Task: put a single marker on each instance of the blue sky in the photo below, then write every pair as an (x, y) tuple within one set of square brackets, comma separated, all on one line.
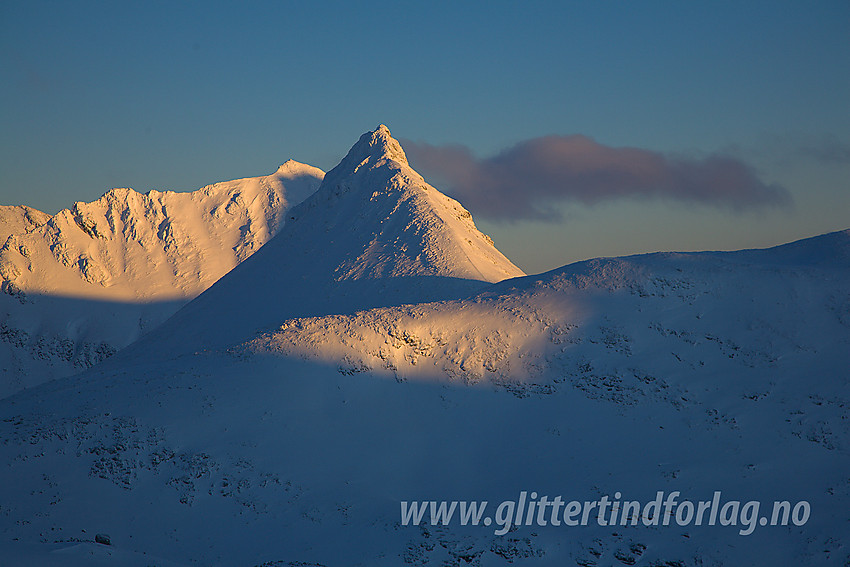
[(178, 95)]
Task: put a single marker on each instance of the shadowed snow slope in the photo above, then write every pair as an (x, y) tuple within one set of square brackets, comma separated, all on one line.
[(688, 373), (374, 234), (93, 278)]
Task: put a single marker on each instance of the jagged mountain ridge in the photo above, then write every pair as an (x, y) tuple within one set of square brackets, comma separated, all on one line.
[(93, 278), (158, 245)]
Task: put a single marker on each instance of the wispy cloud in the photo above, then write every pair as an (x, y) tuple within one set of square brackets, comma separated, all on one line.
[(528, 180)]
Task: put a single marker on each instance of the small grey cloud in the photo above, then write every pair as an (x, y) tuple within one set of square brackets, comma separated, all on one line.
[(527, 180)]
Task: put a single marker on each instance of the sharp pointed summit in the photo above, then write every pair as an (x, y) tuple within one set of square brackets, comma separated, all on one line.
[(372, 147), (403, 225), (376, 154)]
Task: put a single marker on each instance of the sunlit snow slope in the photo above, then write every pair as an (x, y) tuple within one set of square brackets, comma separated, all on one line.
[(771, 305), (158, 245)]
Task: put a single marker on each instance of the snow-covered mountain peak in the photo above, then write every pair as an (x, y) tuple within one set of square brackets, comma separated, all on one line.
[(382, 145), (397, 224), (374, 233), (291, 166), (372, 149)]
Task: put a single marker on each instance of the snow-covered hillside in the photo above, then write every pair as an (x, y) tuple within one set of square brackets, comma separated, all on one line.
[(280, 421), (511, 331), (93, 278), (688, 372)]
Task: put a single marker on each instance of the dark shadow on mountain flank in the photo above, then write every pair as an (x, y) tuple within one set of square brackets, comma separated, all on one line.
[(44, 337)]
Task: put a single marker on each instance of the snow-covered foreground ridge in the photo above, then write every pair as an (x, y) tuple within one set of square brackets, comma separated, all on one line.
[(93, 278), (512, 331), (369, 355)]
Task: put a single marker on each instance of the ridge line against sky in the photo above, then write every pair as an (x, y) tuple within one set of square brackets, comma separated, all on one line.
[(178, 96)]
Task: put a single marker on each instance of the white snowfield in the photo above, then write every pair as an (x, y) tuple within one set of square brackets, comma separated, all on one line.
[(93, 278), (368, 355)]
